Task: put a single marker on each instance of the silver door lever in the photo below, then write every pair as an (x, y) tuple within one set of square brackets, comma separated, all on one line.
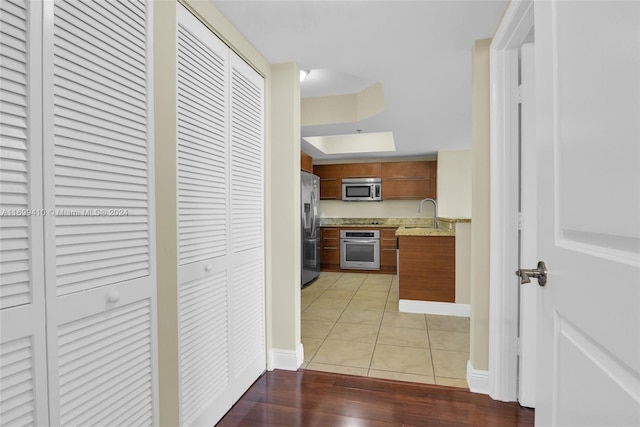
[(539, 273)]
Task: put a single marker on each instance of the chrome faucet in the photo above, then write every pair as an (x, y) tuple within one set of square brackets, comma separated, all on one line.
[(435, 211)]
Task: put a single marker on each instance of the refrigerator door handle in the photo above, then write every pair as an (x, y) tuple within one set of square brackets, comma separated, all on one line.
[(314, 213)]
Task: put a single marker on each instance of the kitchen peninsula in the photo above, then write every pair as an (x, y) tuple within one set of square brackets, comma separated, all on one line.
[(432, 278)]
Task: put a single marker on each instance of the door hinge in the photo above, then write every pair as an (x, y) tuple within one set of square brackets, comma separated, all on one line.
[(519, 220), (518, 94)]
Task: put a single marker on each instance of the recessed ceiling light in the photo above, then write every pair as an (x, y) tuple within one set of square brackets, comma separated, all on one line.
[(354, 143)]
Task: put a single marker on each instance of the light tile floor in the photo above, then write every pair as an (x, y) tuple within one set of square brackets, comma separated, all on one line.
[(351, 325)]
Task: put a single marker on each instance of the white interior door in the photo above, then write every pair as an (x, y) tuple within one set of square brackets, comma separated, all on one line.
[(528, 228), (588, 87), (99, 245), (220, 223), (23, 369)]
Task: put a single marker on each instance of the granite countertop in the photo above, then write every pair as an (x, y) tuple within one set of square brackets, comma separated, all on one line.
[(406, 226), (426, 231)]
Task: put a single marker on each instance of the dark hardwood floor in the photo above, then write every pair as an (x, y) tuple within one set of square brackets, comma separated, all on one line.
[(312, 398)]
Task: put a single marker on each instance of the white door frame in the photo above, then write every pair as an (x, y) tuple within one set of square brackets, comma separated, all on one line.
[(503, 318)]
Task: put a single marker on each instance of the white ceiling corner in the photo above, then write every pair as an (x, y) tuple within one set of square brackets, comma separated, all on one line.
[(420, 51)]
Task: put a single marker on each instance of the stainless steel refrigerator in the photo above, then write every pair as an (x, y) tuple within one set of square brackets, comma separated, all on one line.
[(309, 196)]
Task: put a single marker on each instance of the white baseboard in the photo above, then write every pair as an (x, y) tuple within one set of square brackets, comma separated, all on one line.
[(478, 380), (430, 307), (289, 360)]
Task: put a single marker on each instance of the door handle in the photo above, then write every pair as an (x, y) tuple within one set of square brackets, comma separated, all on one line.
[(539, 273)]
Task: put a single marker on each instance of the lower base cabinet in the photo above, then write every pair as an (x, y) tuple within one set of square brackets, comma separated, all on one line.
[(427, 268), (330, 250)]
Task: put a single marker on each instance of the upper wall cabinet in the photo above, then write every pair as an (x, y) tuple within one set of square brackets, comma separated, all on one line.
[(306, 162), (409, 180), (361, 170), (400, 180), (330, 181)]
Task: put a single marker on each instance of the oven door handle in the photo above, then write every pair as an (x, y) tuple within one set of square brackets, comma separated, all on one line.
[(359, 241)]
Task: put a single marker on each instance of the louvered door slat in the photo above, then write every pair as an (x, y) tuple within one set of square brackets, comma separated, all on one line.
[(201, 150), (247, 148), (15, 277), (16, 382), (204, 347), (108, 372), (109, 143), (247, 304), (23, 393)]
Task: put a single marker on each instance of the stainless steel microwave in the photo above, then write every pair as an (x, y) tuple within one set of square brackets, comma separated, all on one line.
[(361, 189)]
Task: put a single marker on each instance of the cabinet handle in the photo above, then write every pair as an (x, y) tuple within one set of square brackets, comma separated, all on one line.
[(405, 177), (329, 248)]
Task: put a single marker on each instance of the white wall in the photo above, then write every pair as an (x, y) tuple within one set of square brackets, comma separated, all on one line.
[(454, 184)]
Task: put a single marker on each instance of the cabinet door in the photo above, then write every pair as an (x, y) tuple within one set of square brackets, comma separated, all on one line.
[(100, 248), (388, 252), (23, 371), (306, 162), (330, 247), (427, 268), (361, 170), (330, 181), (409, 180), (407, 170)]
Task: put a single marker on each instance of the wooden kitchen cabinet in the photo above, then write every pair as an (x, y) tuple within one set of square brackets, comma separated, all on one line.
[(330, 181), (427, 268), (306, 162), (409, 180), (330, 248), (361, 170), (388, 258)]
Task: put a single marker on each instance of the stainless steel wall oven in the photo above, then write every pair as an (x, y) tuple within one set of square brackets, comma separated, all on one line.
[(360, 249)]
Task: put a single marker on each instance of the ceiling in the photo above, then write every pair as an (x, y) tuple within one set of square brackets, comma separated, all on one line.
[(420, 51)]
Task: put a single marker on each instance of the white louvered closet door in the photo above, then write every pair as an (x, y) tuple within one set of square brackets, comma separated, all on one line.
[(221, 284), (23, 376), (203, 304), (247, 224), (100, 271)]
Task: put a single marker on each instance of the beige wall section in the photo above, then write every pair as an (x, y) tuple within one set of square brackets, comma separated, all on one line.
[(350, 108), (480, 206), (370, 101), (285, 208), (324, 110), (164, 63), (454, 184)]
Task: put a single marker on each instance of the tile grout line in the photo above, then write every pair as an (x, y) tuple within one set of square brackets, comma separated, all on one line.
[(336, 321), (375, 344)]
